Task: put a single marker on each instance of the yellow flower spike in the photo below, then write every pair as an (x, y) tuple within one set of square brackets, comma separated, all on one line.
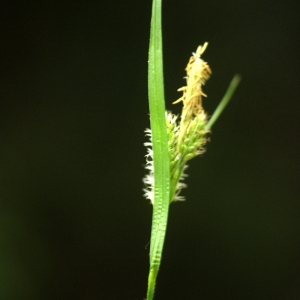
[(198, 72)]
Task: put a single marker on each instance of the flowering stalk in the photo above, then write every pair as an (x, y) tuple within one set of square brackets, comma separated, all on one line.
[(172, 143)]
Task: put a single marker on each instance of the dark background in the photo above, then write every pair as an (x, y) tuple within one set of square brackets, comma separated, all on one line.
[(74, 223)]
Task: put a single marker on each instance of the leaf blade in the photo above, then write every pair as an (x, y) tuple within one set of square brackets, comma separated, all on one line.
[(159, 146)]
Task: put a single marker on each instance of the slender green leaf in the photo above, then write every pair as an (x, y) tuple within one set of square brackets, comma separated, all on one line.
[(159, 146), (225, 100)]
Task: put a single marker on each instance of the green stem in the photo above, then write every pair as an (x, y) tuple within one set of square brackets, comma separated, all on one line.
[(151, 283)]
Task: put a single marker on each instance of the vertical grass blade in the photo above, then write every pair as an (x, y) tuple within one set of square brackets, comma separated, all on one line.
[(159, 146)]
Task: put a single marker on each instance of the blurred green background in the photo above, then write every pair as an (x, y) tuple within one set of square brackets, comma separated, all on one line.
[(74, 223)]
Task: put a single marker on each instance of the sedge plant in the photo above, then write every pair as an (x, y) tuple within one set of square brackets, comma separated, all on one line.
[(173, 140)]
